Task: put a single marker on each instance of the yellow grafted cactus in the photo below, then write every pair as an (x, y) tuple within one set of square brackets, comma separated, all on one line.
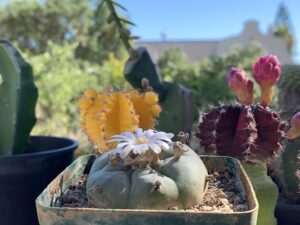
[(106, 114), (146, 107)]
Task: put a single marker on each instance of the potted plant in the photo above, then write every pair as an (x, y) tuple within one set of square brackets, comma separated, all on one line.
[(251, 132), (141, 175), (27, 163)]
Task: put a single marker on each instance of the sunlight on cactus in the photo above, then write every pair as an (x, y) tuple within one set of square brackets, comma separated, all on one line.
[(109, 113)]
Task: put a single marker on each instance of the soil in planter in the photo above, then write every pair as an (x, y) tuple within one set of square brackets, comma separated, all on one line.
[(222, 195)]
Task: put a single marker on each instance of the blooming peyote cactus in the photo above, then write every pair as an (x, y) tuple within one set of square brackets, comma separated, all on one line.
[(138, 174), (246, 131), (113, 112)]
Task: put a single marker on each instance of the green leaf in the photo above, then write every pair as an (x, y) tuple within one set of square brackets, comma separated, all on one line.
[(134, 37), (119, 5), (127, 21)]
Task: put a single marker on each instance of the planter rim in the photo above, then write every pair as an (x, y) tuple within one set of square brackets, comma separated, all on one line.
[(152, 211), (71, 146)]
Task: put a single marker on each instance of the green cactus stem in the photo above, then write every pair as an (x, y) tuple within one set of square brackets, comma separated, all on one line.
[(287, 180), (178, 108), (289, 92), (18, 96), (266, 192), (178, 180), (141, 66)]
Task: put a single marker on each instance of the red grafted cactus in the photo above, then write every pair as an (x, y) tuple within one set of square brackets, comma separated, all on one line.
[(251, 133), (239, 82), (247, 131), (266, 72)]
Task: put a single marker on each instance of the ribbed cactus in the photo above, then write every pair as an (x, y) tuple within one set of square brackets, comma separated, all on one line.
[(289, 92), (288, 170), (247, 131), (18, 96), (137, 174), (113, 112)]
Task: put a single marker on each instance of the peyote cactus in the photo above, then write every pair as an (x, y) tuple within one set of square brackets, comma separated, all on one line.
[(246, 131), (18, 99), (113, 112), (137, 174)]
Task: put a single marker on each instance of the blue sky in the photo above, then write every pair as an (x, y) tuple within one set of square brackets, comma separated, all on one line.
[(205, 19)]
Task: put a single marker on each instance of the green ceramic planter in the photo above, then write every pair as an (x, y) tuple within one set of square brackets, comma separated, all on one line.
[(49, 215)]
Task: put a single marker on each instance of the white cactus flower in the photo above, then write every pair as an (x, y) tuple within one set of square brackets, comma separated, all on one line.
[(141, 141)]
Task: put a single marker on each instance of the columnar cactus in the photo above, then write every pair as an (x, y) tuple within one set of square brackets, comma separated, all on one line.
[(288, 170), (113, 112), (138, 174), (18, 97), (246, 131)]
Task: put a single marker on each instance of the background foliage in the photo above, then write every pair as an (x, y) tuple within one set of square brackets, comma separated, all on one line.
[(72, 47), (207, 78)]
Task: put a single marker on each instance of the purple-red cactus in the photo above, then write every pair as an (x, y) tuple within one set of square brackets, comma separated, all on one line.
[(294, 132), (251, 133), (239, 82), (247, 131), (266, 72)]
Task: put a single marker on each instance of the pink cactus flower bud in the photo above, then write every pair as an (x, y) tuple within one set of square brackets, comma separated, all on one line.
[(239, 82), (266, 72), (294, 132)]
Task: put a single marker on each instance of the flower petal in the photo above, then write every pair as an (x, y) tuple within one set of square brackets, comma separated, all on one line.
[(162, 144), (155, 148), (125, 151)]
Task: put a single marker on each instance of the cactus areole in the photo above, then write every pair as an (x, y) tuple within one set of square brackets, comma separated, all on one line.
[(248, 131), (147, 170)]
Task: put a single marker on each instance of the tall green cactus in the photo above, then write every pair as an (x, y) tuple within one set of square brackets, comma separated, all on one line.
[(289, 104), (18, 96), (289, 93), (178, 108)]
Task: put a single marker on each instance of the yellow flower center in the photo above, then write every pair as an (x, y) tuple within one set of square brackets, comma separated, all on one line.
[(142, 140)]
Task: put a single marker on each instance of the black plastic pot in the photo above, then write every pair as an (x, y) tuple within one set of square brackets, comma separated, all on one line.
[(23, 177), (287, 214)]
